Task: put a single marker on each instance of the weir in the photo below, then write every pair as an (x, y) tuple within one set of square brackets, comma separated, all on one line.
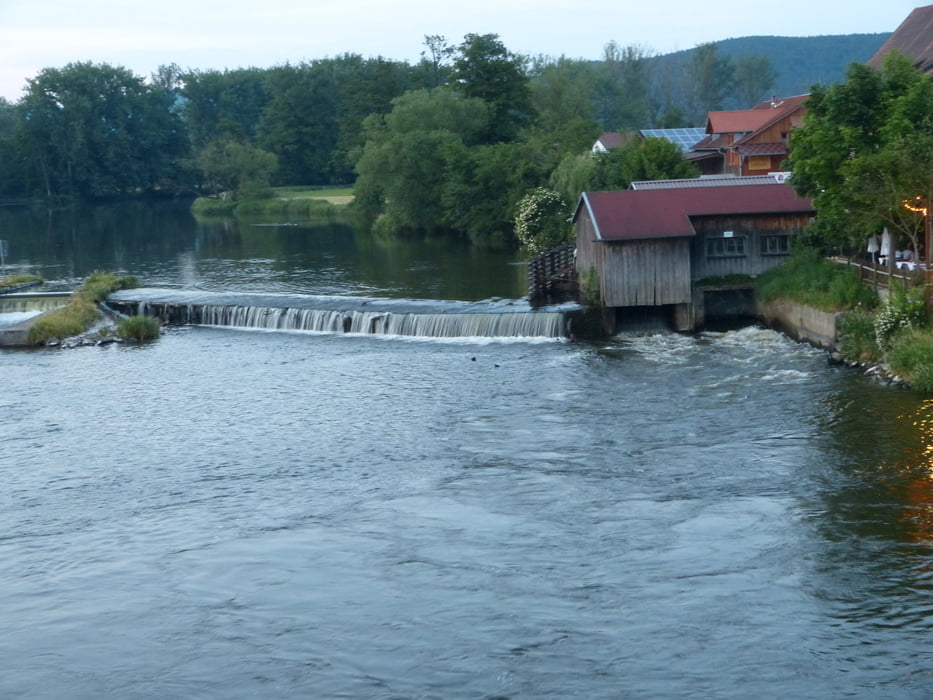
[(494, 318), (38, 301)]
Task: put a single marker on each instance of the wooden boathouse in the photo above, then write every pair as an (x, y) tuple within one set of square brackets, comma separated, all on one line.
[(665, 252)]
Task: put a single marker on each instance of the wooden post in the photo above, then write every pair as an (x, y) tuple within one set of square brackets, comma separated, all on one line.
[(928, 273)]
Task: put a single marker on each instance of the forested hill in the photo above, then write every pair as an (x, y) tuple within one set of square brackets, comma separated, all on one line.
[(799, 62)]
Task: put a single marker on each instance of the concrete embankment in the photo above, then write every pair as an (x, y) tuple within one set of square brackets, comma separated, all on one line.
[(802, 323), (17, 333)]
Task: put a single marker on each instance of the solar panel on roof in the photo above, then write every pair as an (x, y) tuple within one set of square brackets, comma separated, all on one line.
[(685, 138)]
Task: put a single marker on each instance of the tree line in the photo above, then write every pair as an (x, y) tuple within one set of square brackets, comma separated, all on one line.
[(864, 156), (452, 142)]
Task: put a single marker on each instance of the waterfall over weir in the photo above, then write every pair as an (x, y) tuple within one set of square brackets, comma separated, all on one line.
[(370, 316)]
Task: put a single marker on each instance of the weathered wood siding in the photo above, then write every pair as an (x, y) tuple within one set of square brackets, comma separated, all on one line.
[(646, 272), (634, 273), (754, 229)]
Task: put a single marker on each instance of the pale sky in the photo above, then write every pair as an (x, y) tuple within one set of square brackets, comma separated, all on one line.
[(215, 34)]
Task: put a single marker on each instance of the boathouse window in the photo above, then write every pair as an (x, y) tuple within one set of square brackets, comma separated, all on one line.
[(731, 247), (775, 245)]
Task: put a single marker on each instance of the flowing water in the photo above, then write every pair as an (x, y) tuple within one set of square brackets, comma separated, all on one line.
[(229, 513)]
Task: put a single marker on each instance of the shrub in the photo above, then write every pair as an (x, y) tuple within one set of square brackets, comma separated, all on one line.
[(81, 310), (911, 356), (542, 220), (809, 278), (857, 338), (589, 286), (904, 309), (138, 328), (72, 319)]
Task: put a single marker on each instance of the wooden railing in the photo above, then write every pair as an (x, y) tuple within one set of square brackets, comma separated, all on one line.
[(552, 271), (880, 276)]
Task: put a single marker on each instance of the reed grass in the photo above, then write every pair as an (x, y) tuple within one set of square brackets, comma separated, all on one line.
[(138, 328), (81, 311), (16, 280)]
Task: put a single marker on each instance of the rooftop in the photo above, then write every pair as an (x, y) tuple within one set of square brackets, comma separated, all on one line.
[(666, 213)]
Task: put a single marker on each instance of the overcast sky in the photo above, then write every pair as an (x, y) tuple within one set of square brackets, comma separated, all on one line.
[(210, 34)]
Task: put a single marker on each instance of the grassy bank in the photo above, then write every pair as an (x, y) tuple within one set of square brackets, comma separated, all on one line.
[(895, 334), (81, 311), (810, 279), (279, 203)]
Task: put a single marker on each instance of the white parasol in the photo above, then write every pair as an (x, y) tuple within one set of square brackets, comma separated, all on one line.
[(887, 243)]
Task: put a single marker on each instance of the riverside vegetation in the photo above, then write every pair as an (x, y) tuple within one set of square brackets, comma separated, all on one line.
[(11, 281), (81, 311), (895, 334), (281, 203)]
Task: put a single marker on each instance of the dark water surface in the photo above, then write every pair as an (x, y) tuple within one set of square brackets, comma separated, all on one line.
[(240, 514)]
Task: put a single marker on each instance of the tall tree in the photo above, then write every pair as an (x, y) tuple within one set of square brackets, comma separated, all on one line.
[(366, 86), (710, 74), (228, 103), (98, 130), (754, 77), (435, 60), (408, 151), (561, 92), (485, 69), (624, 87), (866, 149), (299, 124)]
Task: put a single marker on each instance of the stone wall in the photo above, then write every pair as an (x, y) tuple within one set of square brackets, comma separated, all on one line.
[(803, 323)]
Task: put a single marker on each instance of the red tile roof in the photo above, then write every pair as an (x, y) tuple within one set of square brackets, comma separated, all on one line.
[(739, 120), (913, 38), (665, 213)]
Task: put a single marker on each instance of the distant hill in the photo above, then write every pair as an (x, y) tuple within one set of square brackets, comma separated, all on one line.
[(800, 62)]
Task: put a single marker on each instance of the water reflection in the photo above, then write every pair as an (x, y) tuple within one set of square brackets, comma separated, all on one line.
[(164, 245), (918, 474)]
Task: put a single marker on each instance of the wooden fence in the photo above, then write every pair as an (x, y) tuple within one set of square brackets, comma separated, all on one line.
[(552, 271), (880, 276)]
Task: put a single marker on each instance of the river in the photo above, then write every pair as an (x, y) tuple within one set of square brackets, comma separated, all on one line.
[(226, 513)]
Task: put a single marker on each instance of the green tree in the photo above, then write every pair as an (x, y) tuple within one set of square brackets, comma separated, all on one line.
[(483, 189), (484, 68), (435, 61), (561, 93), (866, 148), (754, 76), (299, 124), (237, 168), (17, 176), (223, 103), (710, 75), (653, 159), (401, 169), (98, 130), (366, 86), (576, 174), (623, 88)]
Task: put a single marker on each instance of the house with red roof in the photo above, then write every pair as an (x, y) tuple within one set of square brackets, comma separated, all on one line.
[(656, 250), (749, 141)]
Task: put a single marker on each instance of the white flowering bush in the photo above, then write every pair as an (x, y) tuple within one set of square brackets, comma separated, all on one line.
[(904, 309), (542, 220)]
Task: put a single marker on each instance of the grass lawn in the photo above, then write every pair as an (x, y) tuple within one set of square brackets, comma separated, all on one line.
[(334, 195)]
